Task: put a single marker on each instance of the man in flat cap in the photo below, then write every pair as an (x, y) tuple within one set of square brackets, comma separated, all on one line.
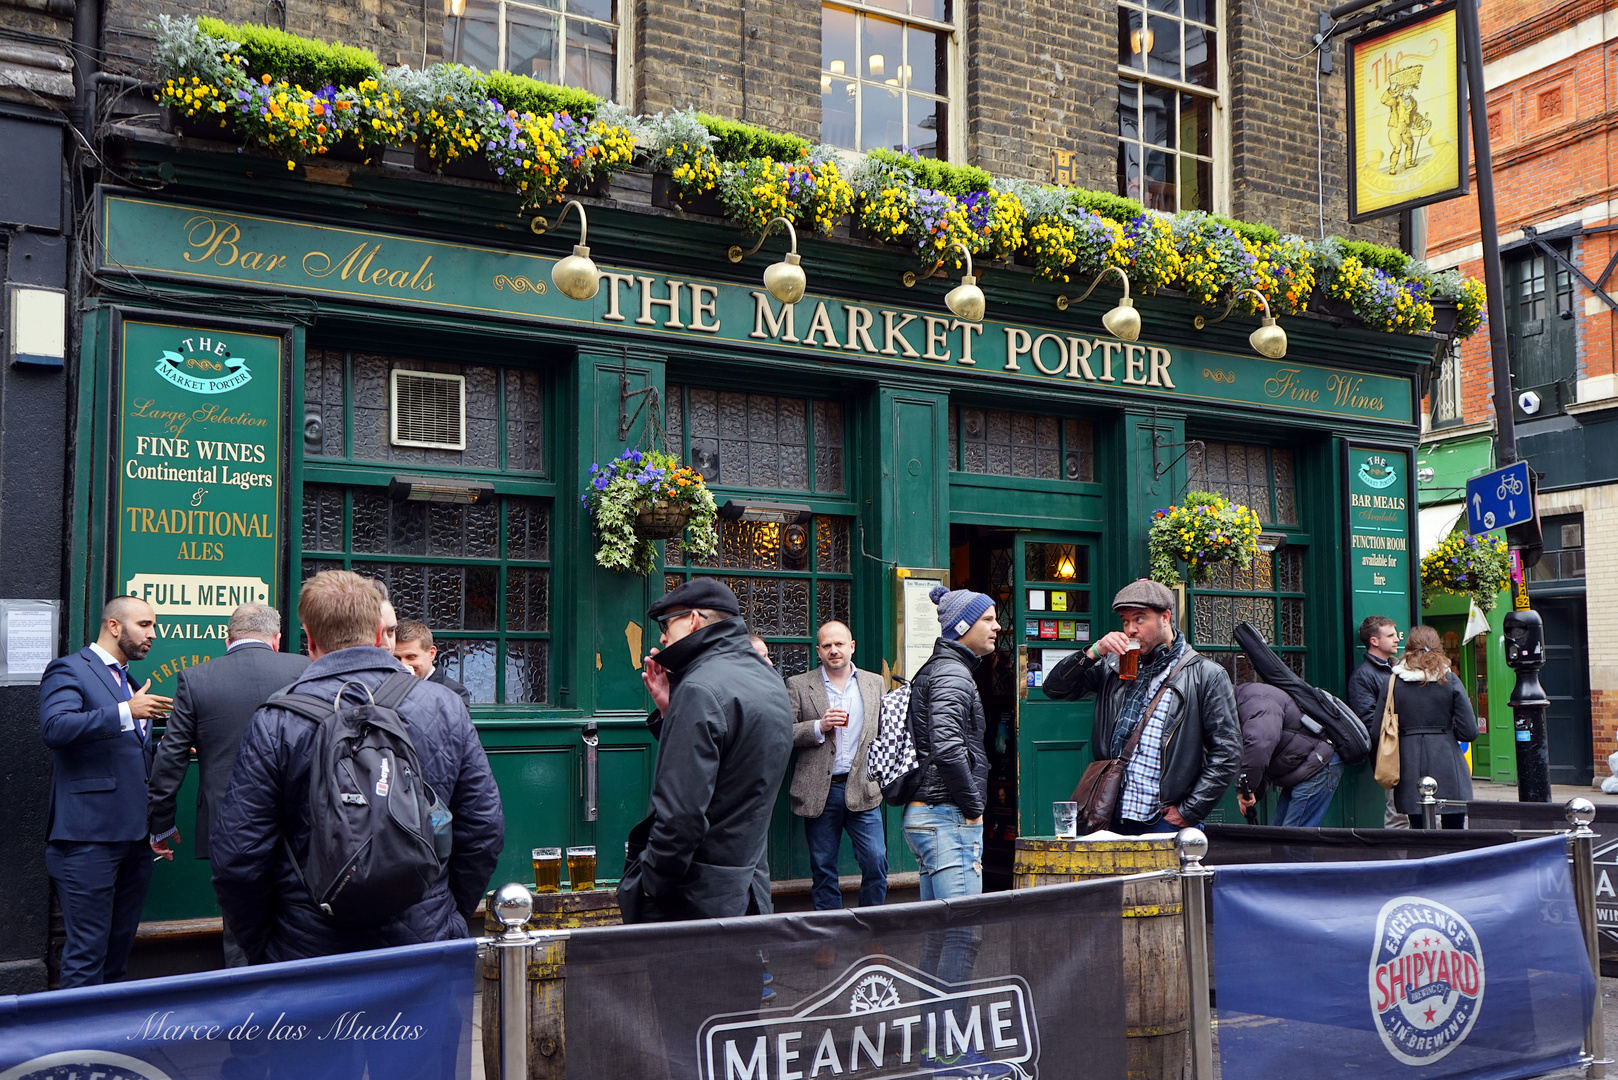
[(724, 726), (1175, 720)]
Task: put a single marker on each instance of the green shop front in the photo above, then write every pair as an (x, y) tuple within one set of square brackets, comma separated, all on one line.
[(281, 376)]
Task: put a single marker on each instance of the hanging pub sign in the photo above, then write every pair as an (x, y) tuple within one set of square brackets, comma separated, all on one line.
[(1406, 115), (198, 530)]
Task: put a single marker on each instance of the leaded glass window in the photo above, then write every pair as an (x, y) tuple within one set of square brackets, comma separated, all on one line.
[(736, 439), (1001, 443), (347, 402), (1168, 98), (478, 576), (1269, 595), (1259, 477), (790, 579)]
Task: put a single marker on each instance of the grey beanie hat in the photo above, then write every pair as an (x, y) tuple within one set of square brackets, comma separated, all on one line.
[(1145, 593), (958, 610)]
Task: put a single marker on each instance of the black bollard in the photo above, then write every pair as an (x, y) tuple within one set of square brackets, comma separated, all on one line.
[(1525, 654)]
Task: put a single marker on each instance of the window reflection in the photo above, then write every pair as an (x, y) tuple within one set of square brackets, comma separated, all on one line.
[(883, 81), (1166, 133), (570, 42)]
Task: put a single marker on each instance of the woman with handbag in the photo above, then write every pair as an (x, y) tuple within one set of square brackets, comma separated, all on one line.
[(1433, 715)]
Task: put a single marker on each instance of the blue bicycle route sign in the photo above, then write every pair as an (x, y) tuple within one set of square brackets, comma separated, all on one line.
[(1498, 499)]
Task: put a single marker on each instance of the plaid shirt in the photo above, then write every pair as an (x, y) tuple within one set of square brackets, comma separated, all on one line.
[(1140, 799)]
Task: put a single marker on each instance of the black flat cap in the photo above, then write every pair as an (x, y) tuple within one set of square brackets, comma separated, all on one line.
[(705, 593)]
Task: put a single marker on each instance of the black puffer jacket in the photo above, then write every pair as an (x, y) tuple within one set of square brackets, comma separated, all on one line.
[(947, 726), (1202, 744), (267, 907)]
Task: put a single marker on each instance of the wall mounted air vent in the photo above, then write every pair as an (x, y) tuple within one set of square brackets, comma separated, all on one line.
[(429, 410)]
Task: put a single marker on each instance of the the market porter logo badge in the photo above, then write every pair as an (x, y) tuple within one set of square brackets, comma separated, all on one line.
[(203, 365), (1426, 979), (1377, 471), (882, 1020)]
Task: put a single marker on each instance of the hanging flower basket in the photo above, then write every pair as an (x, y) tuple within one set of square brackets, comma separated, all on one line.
[(1467, 565), (662, 520), (646, 495), (1204, 530)]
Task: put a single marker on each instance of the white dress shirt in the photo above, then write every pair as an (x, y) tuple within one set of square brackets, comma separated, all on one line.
[(848, 738)]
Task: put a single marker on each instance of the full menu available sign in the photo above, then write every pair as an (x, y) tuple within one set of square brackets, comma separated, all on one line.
[(1379, 535), (199, 479)]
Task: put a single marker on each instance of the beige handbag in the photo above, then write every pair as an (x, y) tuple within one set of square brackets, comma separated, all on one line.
[(1387, 744)]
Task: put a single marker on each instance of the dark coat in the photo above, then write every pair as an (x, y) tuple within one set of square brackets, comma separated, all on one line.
[(948, 726), (265, 903), (1433, 716), (213, 704), (98, 770), (1367, 686), (1276, 747), (448, 683), (723, 748), (1202, 743)]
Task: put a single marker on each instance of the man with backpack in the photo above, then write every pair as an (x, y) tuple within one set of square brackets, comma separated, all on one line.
[(361, 813)]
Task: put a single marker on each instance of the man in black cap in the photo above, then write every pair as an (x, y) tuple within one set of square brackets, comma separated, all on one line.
[(724, 725), (1189, 745)]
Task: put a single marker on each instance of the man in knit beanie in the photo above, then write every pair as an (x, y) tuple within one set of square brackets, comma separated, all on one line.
[(944, 822), (1189, 745)]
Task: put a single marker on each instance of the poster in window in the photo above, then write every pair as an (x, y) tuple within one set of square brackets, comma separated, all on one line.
[(1406, 116)]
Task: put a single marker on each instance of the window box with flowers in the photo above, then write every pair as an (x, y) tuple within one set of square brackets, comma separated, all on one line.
[(1204, 530), (645, 495)]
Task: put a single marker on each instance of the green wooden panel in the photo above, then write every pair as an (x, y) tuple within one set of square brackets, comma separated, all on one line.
[(624, 777), (1057, 766), (539, 789), (182, 889)]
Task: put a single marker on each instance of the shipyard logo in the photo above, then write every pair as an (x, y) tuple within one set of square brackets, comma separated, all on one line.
[(1377, 471), (204, 366), (80, 1064), (1426, 979), (882, 1020)]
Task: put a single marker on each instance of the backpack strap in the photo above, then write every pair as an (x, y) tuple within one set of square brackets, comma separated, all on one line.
[(394, 689), (305, 705)]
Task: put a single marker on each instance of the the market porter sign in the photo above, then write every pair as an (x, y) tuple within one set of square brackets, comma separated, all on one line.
[(295, 257), (199, 482)]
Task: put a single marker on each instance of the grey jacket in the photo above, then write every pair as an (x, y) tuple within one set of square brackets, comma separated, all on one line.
[(1433, 717), (213, 703), (811, 780)]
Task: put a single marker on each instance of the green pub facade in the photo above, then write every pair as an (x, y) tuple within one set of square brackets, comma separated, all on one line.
[(270, 351)]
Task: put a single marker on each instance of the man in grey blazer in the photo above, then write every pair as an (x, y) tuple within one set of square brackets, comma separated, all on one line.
[(835, 711), (213, 703)]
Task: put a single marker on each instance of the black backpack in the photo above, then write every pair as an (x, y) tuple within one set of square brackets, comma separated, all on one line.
[(378, 834)]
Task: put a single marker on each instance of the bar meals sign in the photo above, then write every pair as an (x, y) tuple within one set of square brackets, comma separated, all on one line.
[(246, 250)]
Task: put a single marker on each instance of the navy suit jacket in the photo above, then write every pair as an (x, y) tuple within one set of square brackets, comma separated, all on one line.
[(99, 773)]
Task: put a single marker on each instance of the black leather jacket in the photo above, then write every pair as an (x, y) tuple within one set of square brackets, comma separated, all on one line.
[(1202, 743), (949, 725)]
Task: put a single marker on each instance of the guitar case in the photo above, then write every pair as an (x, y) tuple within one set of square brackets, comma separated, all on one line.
[(1345, 730)]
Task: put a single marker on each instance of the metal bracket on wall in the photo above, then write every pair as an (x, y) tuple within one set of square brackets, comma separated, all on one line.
[(1599, 286), (1161, 442), (626, 419)]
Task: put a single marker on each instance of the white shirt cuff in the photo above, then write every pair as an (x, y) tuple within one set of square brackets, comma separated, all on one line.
[(126, 718), (820, 736)]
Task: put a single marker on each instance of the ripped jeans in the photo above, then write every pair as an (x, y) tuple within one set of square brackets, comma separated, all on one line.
[(949, 854)]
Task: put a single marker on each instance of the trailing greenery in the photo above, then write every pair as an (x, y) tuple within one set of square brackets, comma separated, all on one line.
[(1377, 256), (1467, 565), (1204, 530), (296, 60), (523, 94), (935, 175), (736, 141)]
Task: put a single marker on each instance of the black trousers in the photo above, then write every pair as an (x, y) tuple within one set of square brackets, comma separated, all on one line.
[(101, 888)]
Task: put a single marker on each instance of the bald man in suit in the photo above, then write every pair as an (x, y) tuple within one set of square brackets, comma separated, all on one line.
[(99, 730)]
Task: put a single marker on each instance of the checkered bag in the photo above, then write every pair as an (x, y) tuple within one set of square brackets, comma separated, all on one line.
[(893, 762)]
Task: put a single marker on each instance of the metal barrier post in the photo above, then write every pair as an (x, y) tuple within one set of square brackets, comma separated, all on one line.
[(513, 906), (1581, 853), (1429, 802), (1192, 845)]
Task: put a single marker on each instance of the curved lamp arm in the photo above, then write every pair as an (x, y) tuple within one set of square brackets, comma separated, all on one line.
[(1201, 321), (911, 277), (1062, 302), (736, 254), (539, 226)]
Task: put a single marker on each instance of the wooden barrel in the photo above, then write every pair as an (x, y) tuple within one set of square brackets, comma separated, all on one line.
[(547, 1057), (1156, 1001)]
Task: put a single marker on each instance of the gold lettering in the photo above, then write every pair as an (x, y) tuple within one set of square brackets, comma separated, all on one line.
[(1160, 369), (860, 321), (1107, 349), (613, 281), (1018, 343), (1061, 354), (704, 305), (891, 333), (1080, 361), (1134, 364), (648, 301), (221, 238), (821, 324), (967, 329), (764, 316), (936, 333)]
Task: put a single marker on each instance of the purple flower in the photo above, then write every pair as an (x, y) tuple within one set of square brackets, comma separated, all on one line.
[(601, 484)]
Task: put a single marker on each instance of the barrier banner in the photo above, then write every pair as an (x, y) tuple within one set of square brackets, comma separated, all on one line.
[(1465, 965), (1017, 984), (1240, 845), (398, 1014)]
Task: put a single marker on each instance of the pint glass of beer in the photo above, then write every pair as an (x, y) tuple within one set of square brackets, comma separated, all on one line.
[(1129, 662), (581, 867), (547, 869)]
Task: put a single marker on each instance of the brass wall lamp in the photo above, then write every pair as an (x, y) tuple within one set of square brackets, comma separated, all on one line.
[(966, 300), (1268, 340), (576, 275), (1123, 321), (784, 280)]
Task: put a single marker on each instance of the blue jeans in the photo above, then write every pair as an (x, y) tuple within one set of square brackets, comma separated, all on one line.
[(1305, 806), (825, 836), (949, 854)]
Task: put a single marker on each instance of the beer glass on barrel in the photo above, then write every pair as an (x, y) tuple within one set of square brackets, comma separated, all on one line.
[(581, 868), (547, 869)]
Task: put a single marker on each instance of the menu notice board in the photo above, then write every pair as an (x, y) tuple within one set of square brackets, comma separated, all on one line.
[(1379, 556), (917, 628)]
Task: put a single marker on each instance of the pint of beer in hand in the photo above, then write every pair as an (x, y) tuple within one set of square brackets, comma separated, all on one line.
[(547, 869), (1129, 661)]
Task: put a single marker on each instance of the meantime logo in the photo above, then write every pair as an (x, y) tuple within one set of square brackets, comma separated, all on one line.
[(1426, 979), (882, 1020), (204, 366)]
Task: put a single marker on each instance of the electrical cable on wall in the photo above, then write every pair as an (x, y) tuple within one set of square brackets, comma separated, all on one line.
[(1322, 41)]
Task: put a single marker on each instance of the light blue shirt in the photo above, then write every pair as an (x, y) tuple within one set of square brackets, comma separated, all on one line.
[(848, 738)]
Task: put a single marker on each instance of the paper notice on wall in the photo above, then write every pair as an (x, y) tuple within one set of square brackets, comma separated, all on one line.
[(920, 623), (30, 643)]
